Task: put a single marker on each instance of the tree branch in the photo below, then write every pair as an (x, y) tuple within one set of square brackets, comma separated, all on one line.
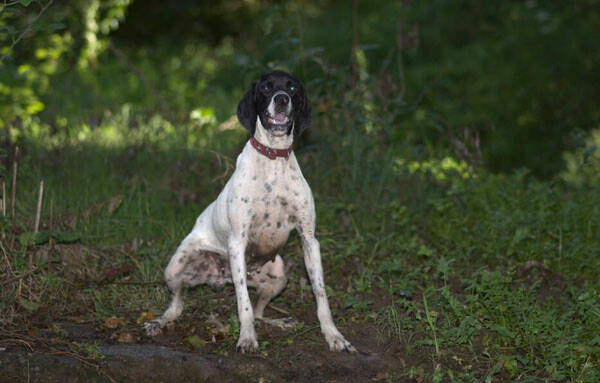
[(4, 56)]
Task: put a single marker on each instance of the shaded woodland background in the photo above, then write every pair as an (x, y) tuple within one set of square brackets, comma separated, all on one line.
[(521, 75), (453, 156)]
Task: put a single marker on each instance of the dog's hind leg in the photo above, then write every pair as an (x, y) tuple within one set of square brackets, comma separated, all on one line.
[(188, 267), (269, 280)]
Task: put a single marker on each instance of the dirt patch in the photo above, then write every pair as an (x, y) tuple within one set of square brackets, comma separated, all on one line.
[(165, 359)]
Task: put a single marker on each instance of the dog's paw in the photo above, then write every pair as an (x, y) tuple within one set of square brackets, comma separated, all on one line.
[(337, 342), (153, 328), (246, 344)]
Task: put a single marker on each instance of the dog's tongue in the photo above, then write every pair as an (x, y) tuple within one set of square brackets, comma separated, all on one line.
[(280, 118)]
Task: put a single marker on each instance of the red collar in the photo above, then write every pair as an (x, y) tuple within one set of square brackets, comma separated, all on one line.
[(270, 152)]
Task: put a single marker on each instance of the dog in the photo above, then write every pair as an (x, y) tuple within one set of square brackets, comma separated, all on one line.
[(238, 237)]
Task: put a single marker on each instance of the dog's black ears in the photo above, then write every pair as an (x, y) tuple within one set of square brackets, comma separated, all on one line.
[(246, 110), (303, 118)]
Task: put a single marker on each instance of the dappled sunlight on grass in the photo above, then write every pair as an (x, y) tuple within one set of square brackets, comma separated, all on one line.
[(440, 169)]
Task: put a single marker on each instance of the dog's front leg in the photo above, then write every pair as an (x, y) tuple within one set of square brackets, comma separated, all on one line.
[(312, 261), (247, 340)]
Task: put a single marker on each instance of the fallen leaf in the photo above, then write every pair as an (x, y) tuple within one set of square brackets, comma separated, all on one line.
[(194, 342), (114, 203), (114, 322), (145, 317), (125, 337), (116, 272), (223, 329), (220, 328)]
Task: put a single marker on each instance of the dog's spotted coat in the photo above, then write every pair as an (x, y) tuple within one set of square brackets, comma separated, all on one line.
[(237, 238)]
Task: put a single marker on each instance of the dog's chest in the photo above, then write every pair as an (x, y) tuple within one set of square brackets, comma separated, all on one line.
[(273, 195)]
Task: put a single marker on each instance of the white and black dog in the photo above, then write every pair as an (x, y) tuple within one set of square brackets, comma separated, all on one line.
[(237, 238)]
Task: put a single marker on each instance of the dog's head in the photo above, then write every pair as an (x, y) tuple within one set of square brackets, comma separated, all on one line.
[(279, 100)]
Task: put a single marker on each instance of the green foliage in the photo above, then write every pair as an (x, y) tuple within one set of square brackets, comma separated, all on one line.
[(517, 71), (29, 69), (523, 320), (583, 164)]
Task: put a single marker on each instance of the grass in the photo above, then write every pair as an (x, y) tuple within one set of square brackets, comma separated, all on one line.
[(468, 276)]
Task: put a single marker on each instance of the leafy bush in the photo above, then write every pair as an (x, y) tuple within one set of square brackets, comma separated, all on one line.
[(583, 164)]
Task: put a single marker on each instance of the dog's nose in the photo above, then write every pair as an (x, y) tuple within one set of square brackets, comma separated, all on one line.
[(282, 99)]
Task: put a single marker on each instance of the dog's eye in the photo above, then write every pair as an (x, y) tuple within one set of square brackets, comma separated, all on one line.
[(265, 87), (291, 88)]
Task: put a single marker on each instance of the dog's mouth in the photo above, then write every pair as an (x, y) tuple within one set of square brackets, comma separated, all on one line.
[(279, 123)]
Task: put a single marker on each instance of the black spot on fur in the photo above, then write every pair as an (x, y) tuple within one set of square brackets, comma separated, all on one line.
[(268, 187), (266, 216), (278, 224)]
